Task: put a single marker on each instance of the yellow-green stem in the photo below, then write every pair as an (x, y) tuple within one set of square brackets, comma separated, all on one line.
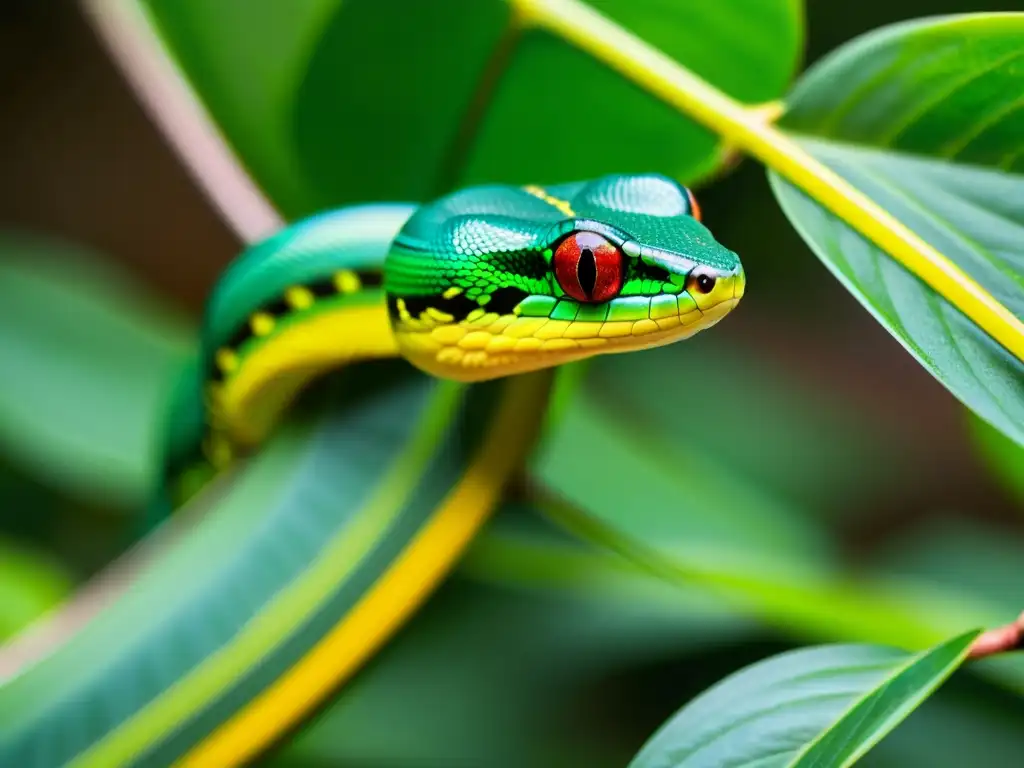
[(745, 129)]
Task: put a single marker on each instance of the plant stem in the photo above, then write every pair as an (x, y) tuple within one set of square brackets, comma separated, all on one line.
[(999, 640), (743, 128), (454, 163), (127, 32)]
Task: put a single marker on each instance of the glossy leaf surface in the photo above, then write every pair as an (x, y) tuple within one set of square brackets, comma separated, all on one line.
[(331, 102), (923, 117), (823, 706)]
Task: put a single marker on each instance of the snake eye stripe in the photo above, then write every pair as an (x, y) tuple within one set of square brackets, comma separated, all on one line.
[(268, 314), (502, 301)]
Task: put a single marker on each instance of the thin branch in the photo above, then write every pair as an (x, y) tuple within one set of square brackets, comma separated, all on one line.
[(999, 640), (469, 126), (729, 155), (662, 76), (186, 125)]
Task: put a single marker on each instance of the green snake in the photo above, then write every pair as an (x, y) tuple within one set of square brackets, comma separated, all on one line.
[(485, 290)]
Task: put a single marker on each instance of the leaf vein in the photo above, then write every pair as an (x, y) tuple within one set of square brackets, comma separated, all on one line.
[(957, 85), (958, 347), (957, 234), (956, 147)]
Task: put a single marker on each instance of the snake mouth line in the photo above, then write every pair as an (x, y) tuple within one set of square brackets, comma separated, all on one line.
[(514, 344)]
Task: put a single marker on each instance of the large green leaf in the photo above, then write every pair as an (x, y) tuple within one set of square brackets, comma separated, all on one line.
[(648, 470), (780, 435), (86, 355), (329, 102), (924, 118), (824, 706)]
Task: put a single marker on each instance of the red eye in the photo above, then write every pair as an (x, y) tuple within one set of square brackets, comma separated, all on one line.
[(588, 267)]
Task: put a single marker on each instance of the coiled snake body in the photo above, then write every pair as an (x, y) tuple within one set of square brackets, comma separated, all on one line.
[(486, 290)]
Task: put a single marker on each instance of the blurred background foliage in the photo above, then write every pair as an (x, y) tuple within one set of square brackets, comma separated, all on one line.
[(804, 480)]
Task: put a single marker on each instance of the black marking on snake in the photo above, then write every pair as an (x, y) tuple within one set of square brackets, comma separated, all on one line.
[(530, 265), (216, 374), (392, 301), (371, 279), (502, 302), (239, 337), (458, 306), (323, 288), (278, 307), (644, 271), (505, 300)]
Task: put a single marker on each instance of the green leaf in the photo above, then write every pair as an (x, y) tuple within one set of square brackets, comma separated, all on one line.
[(30, 585), (523, 550), (922, 117), (963, 570), (630, 469), (978, 562), (824, 706), (1004, 457), (476, 679), (955, 727), (85, 357), (331, 102)]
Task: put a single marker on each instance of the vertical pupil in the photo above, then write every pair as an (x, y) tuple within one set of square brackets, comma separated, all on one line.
[(586, 271)]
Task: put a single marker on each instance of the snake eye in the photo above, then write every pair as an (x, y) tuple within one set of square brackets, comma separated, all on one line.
[(588, 267), (701, 283)]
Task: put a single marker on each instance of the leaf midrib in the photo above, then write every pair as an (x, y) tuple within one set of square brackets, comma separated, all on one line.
[(874, 692)]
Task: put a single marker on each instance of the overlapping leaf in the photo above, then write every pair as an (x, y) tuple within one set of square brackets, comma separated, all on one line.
[(925, 118), (331, 102)]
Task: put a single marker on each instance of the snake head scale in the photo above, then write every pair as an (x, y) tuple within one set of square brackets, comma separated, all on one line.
[(494, 280)]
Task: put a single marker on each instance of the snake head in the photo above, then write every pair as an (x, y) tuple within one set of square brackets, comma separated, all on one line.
[(496, 280)]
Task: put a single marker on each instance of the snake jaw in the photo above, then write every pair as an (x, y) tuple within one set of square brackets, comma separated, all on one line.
[(491, 345)]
